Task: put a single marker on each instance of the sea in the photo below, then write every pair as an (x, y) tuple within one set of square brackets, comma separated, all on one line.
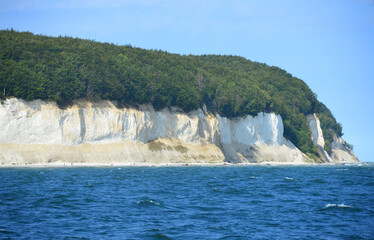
[(220, 202)]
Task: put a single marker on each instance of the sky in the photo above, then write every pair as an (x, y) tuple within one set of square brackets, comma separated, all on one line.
[(329, 44)]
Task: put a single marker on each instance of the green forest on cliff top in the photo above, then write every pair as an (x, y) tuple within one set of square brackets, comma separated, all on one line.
[(63, 69)]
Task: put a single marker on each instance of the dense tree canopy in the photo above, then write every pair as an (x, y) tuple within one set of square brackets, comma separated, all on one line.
[(63, 69)]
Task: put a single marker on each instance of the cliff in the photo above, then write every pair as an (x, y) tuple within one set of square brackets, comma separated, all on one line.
[(340, 153), (40, 132), (66, 69)]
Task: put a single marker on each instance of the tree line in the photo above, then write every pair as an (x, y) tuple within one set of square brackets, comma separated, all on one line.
[(63, 69)]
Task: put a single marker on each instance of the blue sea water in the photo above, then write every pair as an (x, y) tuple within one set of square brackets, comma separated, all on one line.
[(247, 202)]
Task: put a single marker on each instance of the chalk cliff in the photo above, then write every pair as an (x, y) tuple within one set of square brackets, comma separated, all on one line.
[(340, 153), (40, 132)]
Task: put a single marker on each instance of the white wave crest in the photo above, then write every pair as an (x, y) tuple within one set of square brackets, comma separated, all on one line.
[(148, 201), (342, 205)]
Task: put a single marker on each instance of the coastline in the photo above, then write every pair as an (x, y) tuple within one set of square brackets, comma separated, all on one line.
[(38, 133), (137, 164)]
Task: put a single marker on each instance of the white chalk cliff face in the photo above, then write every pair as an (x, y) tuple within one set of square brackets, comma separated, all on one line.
[(40, 132), (340, 153), (257, 139)]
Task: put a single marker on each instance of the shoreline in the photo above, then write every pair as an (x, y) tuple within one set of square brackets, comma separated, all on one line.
[(109, 165)]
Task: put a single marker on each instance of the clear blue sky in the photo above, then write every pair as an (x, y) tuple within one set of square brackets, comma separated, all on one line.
[(327, 43)]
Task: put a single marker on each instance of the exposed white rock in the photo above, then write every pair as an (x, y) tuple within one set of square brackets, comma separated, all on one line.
[(315, 128), (262, 129), (317, 136), (40, 132), (339, 152), (257, 139), (39, 122)]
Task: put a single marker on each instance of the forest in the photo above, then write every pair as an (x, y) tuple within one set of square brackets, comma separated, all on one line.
[(63, 69)]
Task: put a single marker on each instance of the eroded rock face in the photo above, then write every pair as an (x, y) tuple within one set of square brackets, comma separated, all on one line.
[(257, 139), (315, 128), (40, 132), (340, 153), (39, 122)]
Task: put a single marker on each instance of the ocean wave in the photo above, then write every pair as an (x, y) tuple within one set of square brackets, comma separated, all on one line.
[(148, 202), (159, 236), (288, 178), (333, 205), (3, 230), (319, 181)]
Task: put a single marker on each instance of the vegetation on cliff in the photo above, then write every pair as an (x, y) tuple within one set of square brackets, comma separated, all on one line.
[(63, 69)]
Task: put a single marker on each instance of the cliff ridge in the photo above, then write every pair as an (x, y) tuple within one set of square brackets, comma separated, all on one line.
[(39, 132)]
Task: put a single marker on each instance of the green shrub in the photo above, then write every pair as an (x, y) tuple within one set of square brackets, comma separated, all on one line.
[(181, 148)]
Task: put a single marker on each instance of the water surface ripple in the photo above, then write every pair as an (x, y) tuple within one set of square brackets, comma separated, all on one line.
[(261, 202)]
